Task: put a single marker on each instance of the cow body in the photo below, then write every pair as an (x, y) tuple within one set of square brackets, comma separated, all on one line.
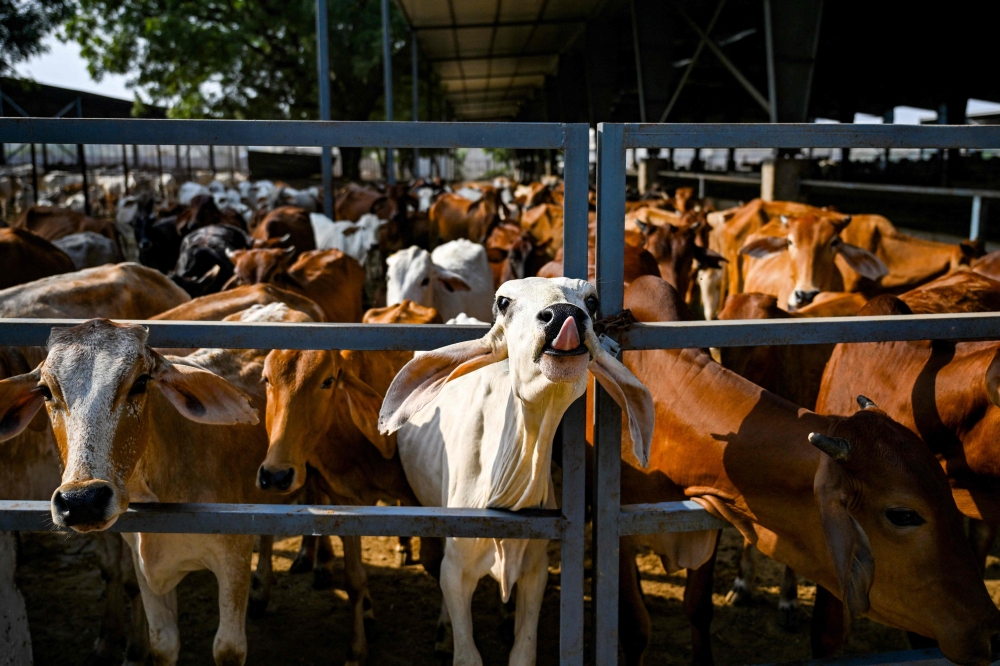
[(453, 216), (89, 250), (52, 222), (289, 226), (355, 239), (203, 266), (216, 307), (25, 257)]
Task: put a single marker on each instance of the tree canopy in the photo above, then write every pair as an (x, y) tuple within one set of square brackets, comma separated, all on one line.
[(23, 26)]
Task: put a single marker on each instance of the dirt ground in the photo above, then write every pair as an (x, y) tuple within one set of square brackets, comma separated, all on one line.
[(62, 589)]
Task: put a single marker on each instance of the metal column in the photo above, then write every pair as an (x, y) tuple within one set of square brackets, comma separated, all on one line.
[(772, 91), (414, 74), (34, 175), (576, 179), (323, 68), (387, 70), (82, 158), (125, 166), (607, 416), (975, 230), (638, 62)]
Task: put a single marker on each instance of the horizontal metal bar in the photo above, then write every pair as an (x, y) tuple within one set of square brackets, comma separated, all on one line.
[(298, 519), (817, 330), (262, 335), (497, 24), (809, 135), (282, 133), (925, 657), (902, 189), (710, 177), (664, 517)]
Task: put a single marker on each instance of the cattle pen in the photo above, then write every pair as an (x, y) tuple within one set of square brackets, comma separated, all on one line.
[(610, 519)]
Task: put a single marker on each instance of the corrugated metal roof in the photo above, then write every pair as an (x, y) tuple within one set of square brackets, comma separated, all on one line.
[(492, 55)]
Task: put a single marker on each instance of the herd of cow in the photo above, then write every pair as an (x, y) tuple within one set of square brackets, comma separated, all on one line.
[(866, 495)]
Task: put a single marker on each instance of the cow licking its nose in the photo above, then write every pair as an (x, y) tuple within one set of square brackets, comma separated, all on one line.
[(564, 329), (278, 479), (82, 505), (801, 298)]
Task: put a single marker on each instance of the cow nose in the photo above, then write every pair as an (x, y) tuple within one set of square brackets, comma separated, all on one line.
[(555, 316), (278, 479), (83, 506), (145, 244), (803, 297)]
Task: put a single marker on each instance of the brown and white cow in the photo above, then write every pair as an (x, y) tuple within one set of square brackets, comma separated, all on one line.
[(855, 504), (134, 425)]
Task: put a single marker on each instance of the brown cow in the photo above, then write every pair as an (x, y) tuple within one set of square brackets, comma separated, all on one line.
[(513, 253), (288, 226), (944, 391), (545, 224), (453, 216), (54, 222), (638, 262), (322, 411), (26, 256), (204, 212), (216, 307), (678, 250), (855, 504), (330, 278), (988, 265)]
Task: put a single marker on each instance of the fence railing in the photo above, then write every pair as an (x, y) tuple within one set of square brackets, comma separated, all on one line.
[(610, 519)]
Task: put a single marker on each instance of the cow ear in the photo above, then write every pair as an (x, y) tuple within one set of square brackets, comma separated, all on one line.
[(422, 379), (495, 255), (201, 396), (708, 258), (20, 400), (452, 281), (632, 396), (364, 404), (764, 247), (861, 260), (846, 541)]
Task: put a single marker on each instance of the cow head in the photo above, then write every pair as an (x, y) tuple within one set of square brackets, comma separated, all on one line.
[(95, 385), (543, 328), (268, 266), (311, 398), (412, 275), (895, 537), (675, 249), (812, 244)]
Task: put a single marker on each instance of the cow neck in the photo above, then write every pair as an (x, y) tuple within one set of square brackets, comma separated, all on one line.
[(520, 476)]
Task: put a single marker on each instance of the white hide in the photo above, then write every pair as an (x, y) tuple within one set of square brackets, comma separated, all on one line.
[(456, 278), (89, 250), (464, 319), (354, 239), (189, 191), (469, 193), (425, 197)]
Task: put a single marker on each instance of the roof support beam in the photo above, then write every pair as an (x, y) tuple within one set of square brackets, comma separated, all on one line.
[(501, 24), (694, 61), (493, 56)]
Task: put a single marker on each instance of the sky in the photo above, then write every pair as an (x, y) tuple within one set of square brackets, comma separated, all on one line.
[(63, 66)]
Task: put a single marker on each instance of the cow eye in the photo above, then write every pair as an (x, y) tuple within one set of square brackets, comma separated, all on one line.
[(835, 242), (502, 304), (426, 281), (592, 304), (327, 383), (45, 391), (139, 386), (904, 517)]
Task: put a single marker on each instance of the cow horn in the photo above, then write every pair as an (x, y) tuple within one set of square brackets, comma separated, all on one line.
[(837, 448), (866, 403), (784, 220)]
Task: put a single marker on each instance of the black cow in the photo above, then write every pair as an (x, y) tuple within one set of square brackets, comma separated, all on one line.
[(201, 252)]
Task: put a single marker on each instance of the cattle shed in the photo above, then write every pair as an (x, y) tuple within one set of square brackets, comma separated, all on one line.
[(648, 60), (43, 101)]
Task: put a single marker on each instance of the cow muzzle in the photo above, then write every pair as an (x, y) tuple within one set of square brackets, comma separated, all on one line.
[(801, 298), (84, 507), (564, 355), (276, 480)]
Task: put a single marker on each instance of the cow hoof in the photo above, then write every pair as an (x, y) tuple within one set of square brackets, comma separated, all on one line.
[(322, 579), (256, 608), (788, 618), (301, 565)]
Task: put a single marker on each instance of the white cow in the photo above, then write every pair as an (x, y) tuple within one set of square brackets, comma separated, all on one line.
[(89, 250), (189, 191), (455, 278), (354, 239), (475, 424)]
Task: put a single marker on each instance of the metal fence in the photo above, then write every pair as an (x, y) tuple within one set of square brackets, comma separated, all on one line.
[(610, 520)]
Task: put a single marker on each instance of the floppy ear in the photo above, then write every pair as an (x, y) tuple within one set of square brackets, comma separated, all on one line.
[(422, 379), (20, 400), (202, 396), (863, 261), (452, 281), (632, 396), (764, 247), (708, 258), (846, 541), (364, 404)]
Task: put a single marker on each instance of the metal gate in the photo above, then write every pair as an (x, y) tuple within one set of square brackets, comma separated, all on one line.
[(610, 520)]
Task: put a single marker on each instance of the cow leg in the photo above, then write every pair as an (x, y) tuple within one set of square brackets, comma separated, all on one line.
[(323, 564), (633, 617), (356, 582), (15, 639), (827, 628), (112, 635), (530, 592), (700, 610), (788, 602), (263, 578), (458, 586), (746, 579), (306, 556), (137, 650), (161, 614), (981, 536), (404, 552), (233, 575)]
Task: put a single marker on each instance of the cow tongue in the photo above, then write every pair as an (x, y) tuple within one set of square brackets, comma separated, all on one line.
[(568, 338)]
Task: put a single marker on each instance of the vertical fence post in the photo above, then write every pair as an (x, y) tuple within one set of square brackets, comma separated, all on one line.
[(772, 87), (607, 415), (211, 160), (125, 166), (323, 67), (34, 175), (414, 74), (575, 214), (387, 71), (977, 209), (81, 156)]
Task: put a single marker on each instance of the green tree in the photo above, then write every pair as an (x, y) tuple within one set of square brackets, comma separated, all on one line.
[(23, 26), (253, 59)]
